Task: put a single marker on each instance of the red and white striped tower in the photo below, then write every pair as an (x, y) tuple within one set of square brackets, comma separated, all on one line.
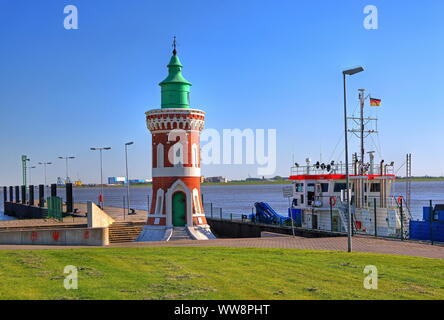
[(176, 199)]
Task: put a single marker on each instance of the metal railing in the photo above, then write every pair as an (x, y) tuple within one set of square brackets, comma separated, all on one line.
[(338, 168)]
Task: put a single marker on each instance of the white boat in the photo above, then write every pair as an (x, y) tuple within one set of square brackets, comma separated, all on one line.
[(320, 193)]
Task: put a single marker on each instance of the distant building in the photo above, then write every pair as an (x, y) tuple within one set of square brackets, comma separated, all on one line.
[(116, 180), (139, 181), (216, 180)]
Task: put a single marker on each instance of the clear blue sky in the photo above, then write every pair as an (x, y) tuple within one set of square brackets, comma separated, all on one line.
[(253, 64)]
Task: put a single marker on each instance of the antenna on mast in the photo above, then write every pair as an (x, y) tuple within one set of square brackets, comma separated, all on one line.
[(360, 132)]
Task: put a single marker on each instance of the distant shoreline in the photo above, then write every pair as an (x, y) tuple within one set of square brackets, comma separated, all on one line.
[(240, 183)]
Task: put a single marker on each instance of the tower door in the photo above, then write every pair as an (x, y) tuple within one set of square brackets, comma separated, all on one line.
[(179, 209)]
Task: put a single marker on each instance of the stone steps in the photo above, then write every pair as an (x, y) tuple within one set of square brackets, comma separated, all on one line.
[(120, 232), (180, 233)]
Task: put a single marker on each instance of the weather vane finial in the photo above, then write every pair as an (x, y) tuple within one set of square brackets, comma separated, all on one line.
[(174, 46)]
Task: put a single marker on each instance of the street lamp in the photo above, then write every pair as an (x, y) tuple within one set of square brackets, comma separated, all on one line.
[(127, 178), (44, 166), (101, 171), (67, 170), (29, 173), (345, 73)]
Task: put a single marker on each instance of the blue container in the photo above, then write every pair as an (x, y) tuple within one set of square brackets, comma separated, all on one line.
[(426, 213), (296, 214)]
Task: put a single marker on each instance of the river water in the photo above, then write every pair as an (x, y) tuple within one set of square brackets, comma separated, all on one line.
[(240, 199)]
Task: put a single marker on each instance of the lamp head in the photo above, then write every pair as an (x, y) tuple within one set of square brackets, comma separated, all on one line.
[(353, 71)]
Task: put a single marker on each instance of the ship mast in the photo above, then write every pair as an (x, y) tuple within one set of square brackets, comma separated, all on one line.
[(360, 132), (361, 102)]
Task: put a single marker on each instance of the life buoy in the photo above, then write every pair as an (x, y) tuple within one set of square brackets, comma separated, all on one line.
[(332, 201), (399, 200)]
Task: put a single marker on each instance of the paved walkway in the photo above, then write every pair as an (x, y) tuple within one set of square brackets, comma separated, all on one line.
[(116, 213), (360, 244)]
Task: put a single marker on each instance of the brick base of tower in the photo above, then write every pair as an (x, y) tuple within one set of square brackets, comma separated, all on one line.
[(176, 198)]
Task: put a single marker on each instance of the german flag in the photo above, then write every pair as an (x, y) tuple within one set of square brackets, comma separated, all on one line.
[(375, 102)]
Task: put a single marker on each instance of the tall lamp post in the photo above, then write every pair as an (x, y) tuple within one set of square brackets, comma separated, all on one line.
[(345, 73), (127, 178), (101, 172), (67, 170), (29, 173), (44, 164)]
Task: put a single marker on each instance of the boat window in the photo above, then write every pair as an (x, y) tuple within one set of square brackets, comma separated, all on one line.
[(324, 187), (375, 187), (339, 187), (299, 187), (311, 187)]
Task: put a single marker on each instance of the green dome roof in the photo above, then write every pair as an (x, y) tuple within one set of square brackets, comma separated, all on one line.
[(175, 88), (175, 72)]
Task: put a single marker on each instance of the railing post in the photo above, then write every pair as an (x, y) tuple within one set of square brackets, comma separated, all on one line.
[(402, 221), (431, 222), (220, 213), (123, 207), (376, 221), (331, 216), (231, 216), (211, 209)]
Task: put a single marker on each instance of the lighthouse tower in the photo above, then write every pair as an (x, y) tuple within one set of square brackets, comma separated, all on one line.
[(176, 206)]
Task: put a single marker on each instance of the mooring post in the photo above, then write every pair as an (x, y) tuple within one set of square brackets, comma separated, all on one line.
[(11, 194), (211, 209), (31, 195), (41, 195), (17, 194), (220, 213), (5, 194), (23, 194), (69, 198), (53, 190), (376, 222)]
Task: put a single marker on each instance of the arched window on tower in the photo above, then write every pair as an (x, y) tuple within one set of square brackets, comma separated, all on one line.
[(196, 201), (195, 155), (160, 156), (159, 201), (178, 154)]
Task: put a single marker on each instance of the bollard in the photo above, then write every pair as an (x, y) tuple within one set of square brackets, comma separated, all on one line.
[(5, 194), (41, 195), (11, 194), (69, 198), (23, 194), (53, 190), (31, 195), (17, 194)]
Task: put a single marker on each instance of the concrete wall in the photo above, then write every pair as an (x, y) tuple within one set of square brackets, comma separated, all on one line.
[(57, 237), (236, 229), (23, 211), (97, 218)]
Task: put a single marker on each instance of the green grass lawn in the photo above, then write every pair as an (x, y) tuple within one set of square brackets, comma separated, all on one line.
[(216, 273)]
